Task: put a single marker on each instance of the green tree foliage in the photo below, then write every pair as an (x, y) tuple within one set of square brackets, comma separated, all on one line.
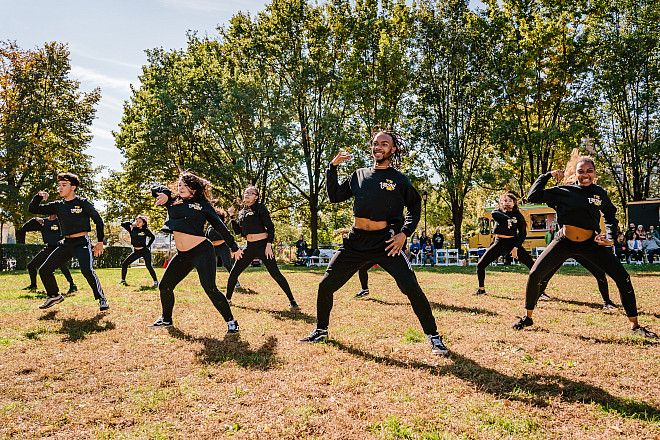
[(625, 36), (452, 109), (44, 125)]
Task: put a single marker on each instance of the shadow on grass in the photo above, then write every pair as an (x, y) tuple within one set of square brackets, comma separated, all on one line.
[(78, 329), (533, 389), (385, 303), (593, 305), (232, 348), (147, 289), (459, 309), (632, 340), (32, 295), (245, 291), (282, 315)]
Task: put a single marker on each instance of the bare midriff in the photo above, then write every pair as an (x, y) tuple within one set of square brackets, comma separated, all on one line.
[(368, 225), (217, 242), (138, 248), (574, 233), (185, 242), (504, 236), (77, 234), (257, 237)]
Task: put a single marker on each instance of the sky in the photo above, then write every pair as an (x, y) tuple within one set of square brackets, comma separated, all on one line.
[(107, 41)]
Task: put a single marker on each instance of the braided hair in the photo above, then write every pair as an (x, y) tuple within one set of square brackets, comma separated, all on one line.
[(397, 141)]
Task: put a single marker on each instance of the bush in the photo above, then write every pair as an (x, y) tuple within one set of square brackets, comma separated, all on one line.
[(158, 258), (18, 254), (113, 256)]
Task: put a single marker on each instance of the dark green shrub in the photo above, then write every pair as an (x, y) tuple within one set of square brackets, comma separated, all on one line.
[(17, 256), (112, 256)]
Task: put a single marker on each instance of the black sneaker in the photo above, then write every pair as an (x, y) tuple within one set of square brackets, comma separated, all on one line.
[(294, 306), (238, 285), (103, 304), (155, 283), (160, 323), (72, 289), (643, 331), (232, 327), (316, 336), (544, 297), (31, 288), (609, 306), (362, 293), (51, 301), (437, 347), (521, 323), (479, 292)]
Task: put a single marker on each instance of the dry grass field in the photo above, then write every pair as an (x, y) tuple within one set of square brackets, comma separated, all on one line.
[(71, 372)]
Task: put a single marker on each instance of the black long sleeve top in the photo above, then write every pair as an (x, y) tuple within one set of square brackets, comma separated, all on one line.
[(50, 230), (139, 236), (577, 205), (189, 216), (518, 226), (380, 195), (73, 215), (254, 219)]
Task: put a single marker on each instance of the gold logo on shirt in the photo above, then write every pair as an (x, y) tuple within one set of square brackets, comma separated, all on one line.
[(76, 210), (54, 228), (595, 200), (388, 185), (196, 206), (140, 233)]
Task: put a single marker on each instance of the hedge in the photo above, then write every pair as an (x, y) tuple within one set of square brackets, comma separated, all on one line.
[(23, 253)]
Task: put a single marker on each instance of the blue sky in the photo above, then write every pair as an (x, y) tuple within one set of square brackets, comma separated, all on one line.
[(107, 40)]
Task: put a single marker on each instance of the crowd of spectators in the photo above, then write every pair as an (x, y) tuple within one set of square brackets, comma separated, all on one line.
[(638, 244)]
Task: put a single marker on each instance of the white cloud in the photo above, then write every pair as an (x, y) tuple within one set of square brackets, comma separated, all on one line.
[(100, 133), (100, 79), (107, 60)]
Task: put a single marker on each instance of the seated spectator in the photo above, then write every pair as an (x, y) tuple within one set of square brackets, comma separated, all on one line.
[(438, 239), (302, 252), (630, 233), (427, 254), (415, 250), (424, 239), (636, 249), (621, 247), (641, 233), (654, 232), (652, 247)]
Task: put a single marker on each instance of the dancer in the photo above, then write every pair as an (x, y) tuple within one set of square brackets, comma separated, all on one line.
[(380, 192), (222, 251), (188, 209), (254, 223), (74, 214), (51, 234), (139, 231), (579, 203), (364, 281)]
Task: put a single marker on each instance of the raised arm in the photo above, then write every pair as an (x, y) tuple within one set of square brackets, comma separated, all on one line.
[(35, 206), (337, 193), (30, 225), (538, 193), (160, 189), (126, 225), (220, 227)]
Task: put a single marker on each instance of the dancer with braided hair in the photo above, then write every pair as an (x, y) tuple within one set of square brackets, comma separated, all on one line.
[(381, 192)]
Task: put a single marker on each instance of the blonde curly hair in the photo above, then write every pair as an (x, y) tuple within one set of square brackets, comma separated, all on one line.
[(570, 175)]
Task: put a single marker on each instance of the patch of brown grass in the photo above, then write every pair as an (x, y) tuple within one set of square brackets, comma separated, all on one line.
[(73, 372)]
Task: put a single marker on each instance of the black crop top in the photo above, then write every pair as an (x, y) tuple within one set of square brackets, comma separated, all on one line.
[(577, 205), (189, 216), (139, 235), (254, 219), (73, 215), (380, 195), (50, 230), (518, 227)]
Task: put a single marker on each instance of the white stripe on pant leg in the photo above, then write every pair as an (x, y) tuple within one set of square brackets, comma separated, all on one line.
[(406, 258), (91, 267)]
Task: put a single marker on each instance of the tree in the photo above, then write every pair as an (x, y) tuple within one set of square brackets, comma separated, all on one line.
[(44, 125), (452, 109), (626, 41)]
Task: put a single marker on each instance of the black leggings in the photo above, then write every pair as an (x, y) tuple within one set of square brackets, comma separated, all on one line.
[(364, 277), (78, 247), (202, 258), (601, 257), (501, 246), (223, 255), (253, 250), (138, 253), (362, 249), (34, 265)]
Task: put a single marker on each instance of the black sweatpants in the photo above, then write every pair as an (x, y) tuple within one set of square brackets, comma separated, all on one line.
[(560, 249), (598, 273), (39, 259), (364, 276), (501, 246), (202, 258), (223, 255), (138, 253), (362, 249), (78, 247), (253, 250)]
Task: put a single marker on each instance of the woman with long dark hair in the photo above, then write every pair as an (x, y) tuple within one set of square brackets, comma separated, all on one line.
[(254, 223), (188, 209), (141, 240), (579, 203)]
